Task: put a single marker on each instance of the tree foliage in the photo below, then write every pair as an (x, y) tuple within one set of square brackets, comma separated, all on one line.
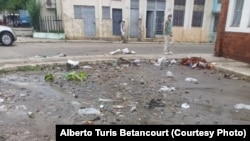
[(13, 5), (34, 10)]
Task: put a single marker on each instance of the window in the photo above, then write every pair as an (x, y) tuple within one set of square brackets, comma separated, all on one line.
[(106, 12), (179, 12), (237, 12), (198, 13), (78, 11)]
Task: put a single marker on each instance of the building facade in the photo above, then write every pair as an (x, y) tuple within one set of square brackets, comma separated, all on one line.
[(99, 19), (233, 36)]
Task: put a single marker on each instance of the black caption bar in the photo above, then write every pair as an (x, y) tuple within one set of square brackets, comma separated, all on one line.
[(173, 132)]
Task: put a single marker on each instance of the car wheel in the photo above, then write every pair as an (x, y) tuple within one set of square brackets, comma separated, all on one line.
[(6, 39)]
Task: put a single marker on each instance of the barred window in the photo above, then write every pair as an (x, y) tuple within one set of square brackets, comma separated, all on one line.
[(199, 2), (237, 12), (106, 12), (198, 12), (179, 12), (78, 12)]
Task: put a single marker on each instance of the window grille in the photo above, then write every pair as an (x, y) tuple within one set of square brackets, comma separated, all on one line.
[(106, 12), (179, 12), (198, 12)]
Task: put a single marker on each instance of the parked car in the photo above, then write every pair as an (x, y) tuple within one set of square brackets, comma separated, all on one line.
[(7, 35)]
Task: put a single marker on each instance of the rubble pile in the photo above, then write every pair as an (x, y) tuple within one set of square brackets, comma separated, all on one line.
[(197, 62)]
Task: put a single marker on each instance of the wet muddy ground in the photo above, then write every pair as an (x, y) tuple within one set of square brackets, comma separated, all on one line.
[(117, 93)]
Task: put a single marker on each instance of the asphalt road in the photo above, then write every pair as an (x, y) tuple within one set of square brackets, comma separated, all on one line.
[(21, 50)]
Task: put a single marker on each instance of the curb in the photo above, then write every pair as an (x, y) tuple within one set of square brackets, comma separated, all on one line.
[(221, 64)]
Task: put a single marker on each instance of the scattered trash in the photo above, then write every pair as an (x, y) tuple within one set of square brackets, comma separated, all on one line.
[(105, 100), (242, 106), (185, 105), (193, 80), (156, 103), (166, 89), (101, 106), (122, 51), (115, 52), (72, 64), (160, 61), (136, 62), (133, 109), (62, 55), (122, 61), (118, 106), (89, 111), (169, 74), (31, 114), (23, 95), (87, 67), (173, 62), (231, 76), (1, 100), (3, 108), (197, 62)]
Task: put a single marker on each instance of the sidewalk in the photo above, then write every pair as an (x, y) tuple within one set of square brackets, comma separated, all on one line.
[(221, 64)]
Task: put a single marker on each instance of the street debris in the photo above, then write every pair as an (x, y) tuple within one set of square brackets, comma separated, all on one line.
[(87, 67), (173, 62), (122, 51), (185, 106), (197, 62), (192, 80), (1, 100), (72, 64), (89, 111), (156, 103), (160, 61), (23, 95), (231, 76), (169, 74), (242, 106), (3, 108), (133, 109), (119, 95), (61, 55), (31, 115), (166, 89), (105, 100)]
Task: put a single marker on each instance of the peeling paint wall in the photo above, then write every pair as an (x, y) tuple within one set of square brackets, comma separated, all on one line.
[(74, 28)]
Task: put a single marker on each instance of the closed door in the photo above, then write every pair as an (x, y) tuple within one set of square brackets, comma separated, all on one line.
[(116, 18), (89, 21), (134, 23)]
